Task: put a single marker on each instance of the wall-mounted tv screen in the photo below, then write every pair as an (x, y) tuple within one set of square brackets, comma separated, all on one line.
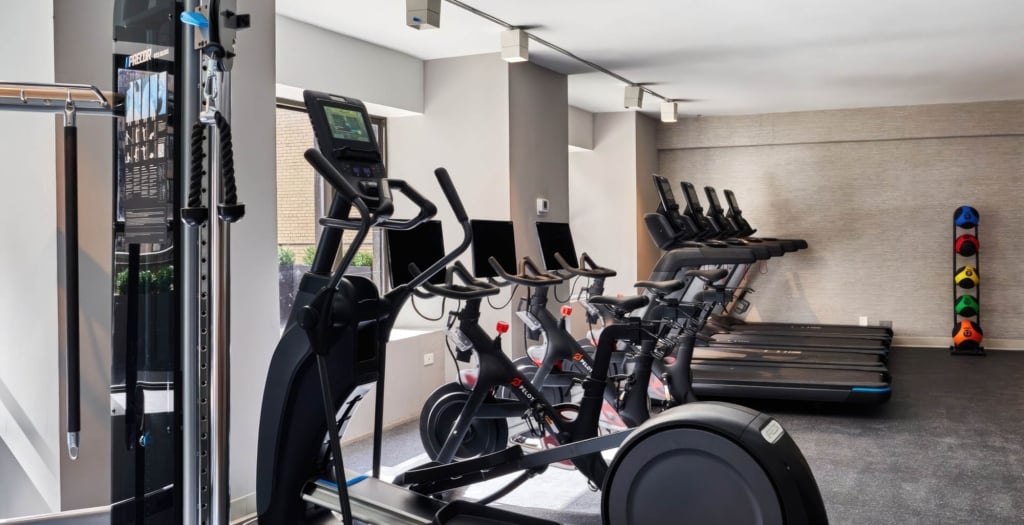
[(555, 237), (493, 239), (422, 245)]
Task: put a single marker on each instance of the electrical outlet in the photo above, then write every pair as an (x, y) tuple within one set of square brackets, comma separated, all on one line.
[(863, 320), (428, 359)]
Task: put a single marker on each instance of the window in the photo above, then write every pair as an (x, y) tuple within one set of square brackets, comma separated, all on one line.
[(302, 198)]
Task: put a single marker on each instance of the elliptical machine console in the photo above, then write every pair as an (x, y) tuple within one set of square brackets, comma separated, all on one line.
[(345, 135)]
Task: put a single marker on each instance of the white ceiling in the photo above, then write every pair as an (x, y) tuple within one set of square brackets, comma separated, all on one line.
[(731, 56)]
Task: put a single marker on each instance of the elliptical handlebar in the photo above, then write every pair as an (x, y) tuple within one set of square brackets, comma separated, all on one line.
[(427, 208), (445, 180), (455, 202), (367, 219), (470, 289), (535, 278), (582, 269), (331, 175)]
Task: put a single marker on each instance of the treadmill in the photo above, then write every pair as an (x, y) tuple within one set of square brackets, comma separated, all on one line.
[(752, 373), (726, 372), (733, 324), (714, 225)]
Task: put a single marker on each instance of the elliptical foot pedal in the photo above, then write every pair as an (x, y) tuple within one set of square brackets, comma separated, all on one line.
[(468, 513)]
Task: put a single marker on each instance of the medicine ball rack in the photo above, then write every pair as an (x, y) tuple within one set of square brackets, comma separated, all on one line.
[(965, 223)]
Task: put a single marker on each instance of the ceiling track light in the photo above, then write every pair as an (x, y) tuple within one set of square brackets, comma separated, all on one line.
[(423, 14), (515, 45), (669, 111), (634, 92), (634, 98)]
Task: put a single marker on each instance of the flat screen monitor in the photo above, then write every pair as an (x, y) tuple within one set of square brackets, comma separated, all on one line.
[(555, 237), (668, 201), (422, 245), (493, 239)]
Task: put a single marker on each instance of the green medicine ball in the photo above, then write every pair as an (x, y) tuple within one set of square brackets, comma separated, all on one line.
[(966, 306)]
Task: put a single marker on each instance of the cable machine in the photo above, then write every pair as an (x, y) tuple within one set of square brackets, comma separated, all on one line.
[(175, 198)]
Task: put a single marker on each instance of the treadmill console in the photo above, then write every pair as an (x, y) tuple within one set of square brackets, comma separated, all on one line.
[(717, 215), (696, 213), (345, 135), (736, 215), (669, 208)]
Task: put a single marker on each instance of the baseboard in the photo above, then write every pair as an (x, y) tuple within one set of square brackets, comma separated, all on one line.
[(944, 342), (243, 508)]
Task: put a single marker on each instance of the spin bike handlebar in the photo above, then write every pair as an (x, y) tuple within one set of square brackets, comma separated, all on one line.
[(529, 273), (470, 289), (582, 269)]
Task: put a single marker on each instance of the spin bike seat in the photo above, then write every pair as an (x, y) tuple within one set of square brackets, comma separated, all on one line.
[(623, 304), (665, 287)]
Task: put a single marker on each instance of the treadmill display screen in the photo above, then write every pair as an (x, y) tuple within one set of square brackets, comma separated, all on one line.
[(665, 192), (555, 237), (692, 201), (713, 202), (422, 245), (730, 197), (493, 239), (346, 124)]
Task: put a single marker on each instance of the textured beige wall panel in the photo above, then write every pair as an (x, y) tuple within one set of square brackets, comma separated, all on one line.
[(877, 213)]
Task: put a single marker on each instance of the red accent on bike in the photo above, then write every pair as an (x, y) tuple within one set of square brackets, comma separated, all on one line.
[(578, 356), (502, 327), (516, 382), (566, 310)]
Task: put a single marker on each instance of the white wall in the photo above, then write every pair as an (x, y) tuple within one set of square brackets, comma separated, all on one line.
[(83, 55), (647, 253), (538, 110), (29, 362), (464, 128), (581, 128), (602, 198), (254, 294), (310, 57), (873, 192)]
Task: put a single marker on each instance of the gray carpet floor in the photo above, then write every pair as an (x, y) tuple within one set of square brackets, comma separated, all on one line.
[(947, 449)]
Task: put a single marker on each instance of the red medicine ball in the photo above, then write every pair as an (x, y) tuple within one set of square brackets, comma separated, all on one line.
[(966, 245)]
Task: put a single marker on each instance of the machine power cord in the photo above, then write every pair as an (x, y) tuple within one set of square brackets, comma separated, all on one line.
[(510, 297), (426, 317), (572, 289)]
